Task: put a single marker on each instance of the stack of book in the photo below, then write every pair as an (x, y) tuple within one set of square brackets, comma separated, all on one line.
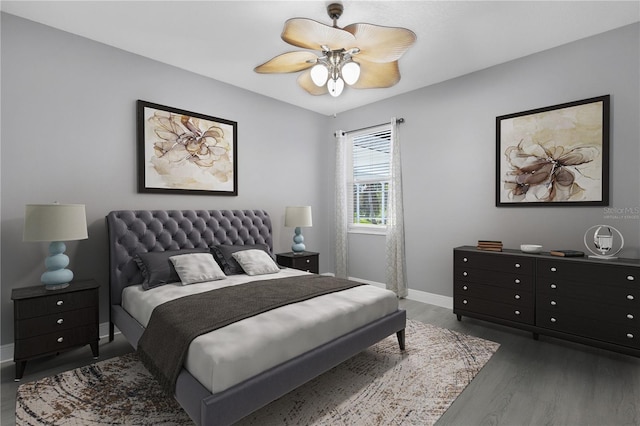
[(489, 245)]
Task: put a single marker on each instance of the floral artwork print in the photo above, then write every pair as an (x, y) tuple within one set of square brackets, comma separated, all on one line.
[(553, 155), (186, 151)]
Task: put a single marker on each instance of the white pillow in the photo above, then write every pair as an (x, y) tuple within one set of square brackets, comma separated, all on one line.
[(197, 268), (256, 262)]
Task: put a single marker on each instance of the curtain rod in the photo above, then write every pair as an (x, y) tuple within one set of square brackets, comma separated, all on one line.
[(398, 120)]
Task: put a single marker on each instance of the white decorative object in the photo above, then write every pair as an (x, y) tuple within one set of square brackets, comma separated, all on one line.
[(604, 241), (298, 216), (530, 248)]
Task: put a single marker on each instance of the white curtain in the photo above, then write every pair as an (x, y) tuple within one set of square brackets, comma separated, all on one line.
[(396, 263), (341, 249)]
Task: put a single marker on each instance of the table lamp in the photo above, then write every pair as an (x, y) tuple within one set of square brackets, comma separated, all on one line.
[(297, 216), (55, 223)]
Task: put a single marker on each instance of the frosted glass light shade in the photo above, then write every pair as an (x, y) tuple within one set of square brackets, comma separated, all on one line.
[(319, 74), (295, 216), (350, 72), (335, 86)]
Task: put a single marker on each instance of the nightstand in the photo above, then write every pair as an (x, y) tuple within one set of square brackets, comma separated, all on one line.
[(305, 261), (47, 322)]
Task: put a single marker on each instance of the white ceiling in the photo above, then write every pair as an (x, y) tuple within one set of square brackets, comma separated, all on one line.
[(225, 40)]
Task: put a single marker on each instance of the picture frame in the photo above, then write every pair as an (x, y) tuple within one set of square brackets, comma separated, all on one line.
[(554, 156), (184, 152)]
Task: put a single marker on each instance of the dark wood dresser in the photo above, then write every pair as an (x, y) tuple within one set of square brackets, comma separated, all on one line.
[(305, 261), (590, 301), (50, 321)]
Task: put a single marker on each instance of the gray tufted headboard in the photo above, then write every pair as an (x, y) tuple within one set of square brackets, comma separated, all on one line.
[(138, 231)]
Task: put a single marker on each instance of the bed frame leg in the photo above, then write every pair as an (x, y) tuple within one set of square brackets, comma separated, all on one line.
[(111, 331), (400, 335)]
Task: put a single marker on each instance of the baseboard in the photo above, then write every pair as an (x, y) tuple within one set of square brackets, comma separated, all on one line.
[(6, 351)]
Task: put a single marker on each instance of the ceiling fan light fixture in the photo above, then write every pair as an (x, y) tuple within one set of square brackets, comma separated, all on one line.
[(350, 72), (335, 86), (319, 74)]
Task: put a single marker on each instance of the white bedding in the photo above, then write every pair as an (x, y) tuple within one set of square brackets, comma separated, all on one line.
[(229, 355)]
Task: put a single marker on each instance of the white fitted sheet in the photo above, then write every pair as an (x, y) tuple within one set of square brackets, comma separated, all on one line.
[(229, 355)]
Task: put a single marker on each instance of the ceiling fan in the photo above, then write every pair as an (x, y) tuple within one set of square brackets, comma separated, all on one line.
[(364, 56)]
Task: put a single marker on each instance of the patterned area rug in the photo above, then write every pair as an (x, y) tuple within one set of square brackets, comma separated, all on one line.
[(380, 386)]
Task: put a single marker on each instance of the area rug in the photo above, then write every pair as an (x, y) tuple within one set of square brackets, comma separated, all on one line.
[(380, 386)]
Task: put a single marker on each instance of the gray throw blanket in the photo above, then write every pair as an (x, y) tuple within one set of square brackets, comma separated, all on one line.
[(174, 324)]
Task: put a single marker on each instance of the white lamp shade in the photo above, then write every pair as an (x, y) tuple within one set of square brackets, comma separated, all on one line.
[(350, 72), (55, 222), (319, 74), (297, 216), (335, 86)]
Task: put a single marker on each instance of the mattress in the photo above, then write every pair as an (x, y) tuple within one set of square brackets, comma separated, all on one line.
[(229, 355)]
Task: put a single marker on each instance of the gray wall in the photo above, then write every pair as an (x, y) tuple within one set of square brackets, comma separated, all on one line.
[(448, 157), (68, 135)]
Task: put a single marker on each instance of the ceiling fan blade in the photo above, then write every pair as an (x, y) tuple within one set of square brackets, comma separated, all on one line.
[(288, 62), (305, 81), (376, 75), (381, 44), (310, 34)]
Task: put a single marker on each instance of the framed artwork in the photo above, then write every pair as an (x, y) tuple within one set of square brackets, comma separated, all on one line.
[(184, 152), (554, 156)]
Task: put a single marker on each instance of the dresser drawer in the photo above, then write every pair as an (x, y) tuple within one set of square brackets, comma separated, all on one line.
[(523, 314), (585, 272), (494, 262), (37, 326), (614, 295), (590, 328), (306, 263), (54, 342), (501, 279), (497, 294), (55, 303), (627, 316)]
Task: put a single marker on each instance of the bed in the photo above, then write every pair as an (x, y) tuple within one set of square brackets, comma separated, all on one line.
[(135, 232)]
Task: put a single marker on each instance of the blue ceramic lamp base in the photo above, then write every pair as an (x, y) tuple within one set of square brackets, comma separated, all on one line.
[(56, 276), (298, 241)]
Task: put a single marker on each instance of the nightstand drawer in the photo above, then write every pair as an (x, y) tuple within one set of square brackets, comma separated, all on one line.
[(38, 326), (54, 342), (55, 303), (305, 261)]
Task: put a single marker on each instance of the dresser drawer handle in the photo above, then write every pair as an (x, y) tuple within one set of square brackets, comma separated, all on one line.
[(517, 265), (553, 269), (517, 281), (517, 312), (60, 339), (630, 277), (630, 296), (630, 336), (464, 274), (60, 302), (553, 319), (517, 297), (553, 286), (465, 288), (60, 321), (629, 316), (308, 260), (553, 303), (465, 302), (465, 260)]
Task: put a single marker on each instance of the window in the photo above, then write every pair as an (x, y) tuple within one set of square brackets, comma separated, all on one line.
[(368, 177)]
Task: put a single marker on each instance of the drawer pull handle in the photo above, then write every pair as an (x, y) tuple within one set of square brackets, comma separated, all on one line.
[(630, 316), (517, 281), (59, 302), (465, 288), (554, 286), (60, 321), (553, 303), (60, 339), (553, 319), (630, 296), (517, 296), (308, 260), (465, 301), (517, 265), (517, 312), (465, 260), (553, 269), (630, 336), (464, 274), (630, 277)]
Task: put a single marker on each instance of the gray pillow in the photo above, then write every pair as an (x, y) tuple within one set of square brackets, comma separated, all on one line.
[(256, 262), (196, 268), (224, 256), (157, 269)]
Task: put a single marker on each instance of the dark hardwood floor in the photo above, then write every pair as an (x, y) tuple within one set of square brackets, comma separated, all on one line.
[(527, 382)]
